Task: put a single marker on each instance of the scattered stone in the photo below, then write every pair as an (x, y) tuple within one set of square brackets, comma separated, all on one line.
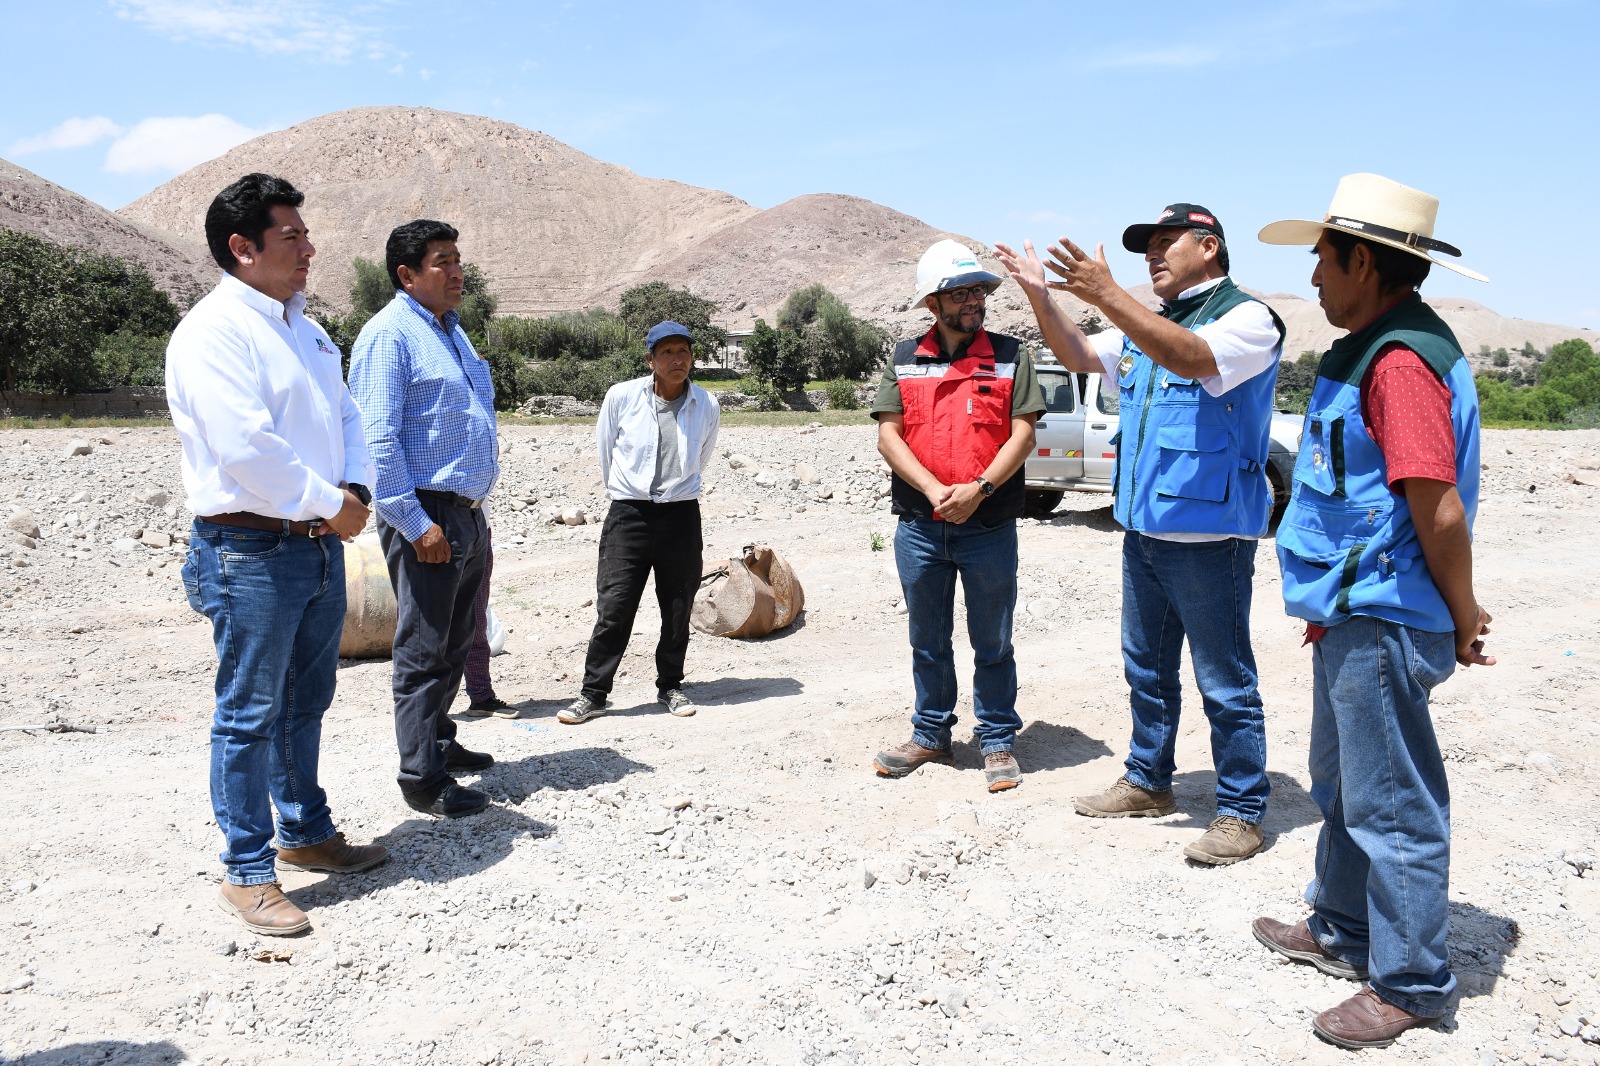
[(153, 497), (742, 462), (868, 878), (15, 983), (807, 473), (22, 540), (574, 516), (902, 873), (125, 544), (1571, 1025), (766, 479), (678, 803), (25, 523), (80, 447), (226, 948), (154, 538)]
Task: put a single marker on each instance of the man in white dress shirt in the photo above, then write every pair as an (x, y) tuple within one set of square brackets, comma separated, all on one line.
[(655, 436), (276, 470), (1195, 381)]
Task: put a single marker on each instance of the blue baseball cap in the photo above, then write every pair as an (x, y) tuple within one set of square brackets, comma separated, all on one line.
[(662, 330)]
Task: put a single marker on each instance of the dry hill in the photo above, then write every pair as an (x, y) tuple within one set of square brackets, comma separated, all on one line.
[(32, 205), (546, 222), (558, 230)]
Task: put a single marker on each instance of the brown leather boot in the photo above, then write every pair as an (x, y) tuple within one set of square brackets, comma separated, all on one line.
[(900, 761), (1364, 1020), (333, 856), (1296, 942), (264, 909)]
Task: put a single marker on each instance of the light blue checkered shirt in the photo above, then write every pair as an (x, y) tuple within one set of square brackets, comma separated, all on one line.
[(427, 409)]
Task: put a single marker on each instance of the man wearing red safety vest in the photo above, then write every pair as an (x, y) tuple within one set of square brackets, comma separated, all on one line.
[(955, 415)]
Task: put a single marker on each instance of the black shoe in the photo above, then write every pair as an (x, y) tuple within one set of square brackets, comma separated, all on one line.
[(458, 758), (448, 800)]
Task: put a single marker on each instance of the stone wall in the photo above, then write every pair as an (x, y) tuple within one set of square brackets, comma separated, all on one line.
[(133, 401)]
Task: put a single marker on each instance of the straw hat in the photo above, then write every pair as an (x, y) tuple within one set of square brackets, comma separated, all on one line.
[(1380, 210)]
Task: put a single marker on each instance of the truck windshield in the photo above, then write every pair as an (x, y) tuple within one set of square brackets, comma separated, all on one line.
[(1060, 396)]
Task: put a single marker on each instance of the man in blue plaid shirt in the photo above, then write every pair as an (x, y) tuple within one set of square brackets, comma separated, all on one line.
[(427, 407)]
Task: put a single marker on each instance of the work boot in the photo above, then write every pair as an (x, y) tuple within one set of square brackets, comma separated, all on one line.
[(900, 761), (1364, 1021), (1296, 942), (1228, 840), (264, 909), (333, 856), (1001, 771), (1126, 800)]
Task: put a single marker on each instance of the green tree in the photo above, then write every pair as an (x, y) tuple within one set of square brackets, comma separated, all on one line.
[(836, 343), (56, 306), (777, 357), (478, 304), (371, 290), (645, 305), (1295, 380)]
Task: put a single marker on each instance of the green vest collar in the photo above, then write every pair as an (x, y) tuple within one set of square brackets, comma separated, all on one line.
[(1410, 322)]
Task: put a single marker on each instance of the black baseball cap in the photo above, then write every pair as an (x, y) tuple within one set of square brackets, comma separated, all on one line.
[(1181, 216)]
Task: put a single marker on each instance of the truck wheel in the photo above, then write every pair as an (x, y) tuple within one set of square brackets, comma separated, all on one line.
[(1042, 503)]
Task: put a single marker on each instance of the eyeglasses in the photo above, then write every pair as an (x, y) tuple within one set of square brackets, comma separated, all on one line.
[(971, 292)]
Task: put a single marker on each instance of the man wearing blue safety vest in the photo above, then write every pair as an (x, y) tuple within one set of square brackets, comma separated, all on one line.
[(1376, 551), (1195, 382)]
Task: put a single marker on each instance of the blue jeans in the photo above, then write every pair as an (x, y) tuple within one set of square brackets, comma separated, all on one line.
[(929, 556), (1173, 591), (1381, 891), (276, 605)]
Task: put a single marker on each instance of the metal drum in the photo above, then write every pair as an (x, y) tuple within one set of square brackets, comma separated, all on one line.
[(370, 611)]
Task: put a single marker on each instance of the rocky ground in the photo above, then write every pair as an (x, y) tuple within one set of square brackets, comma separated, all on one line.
[(738, 887)]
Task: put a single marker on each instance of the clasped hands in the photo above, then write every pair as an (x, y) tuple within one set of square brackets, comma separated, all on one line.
[(955, 503)]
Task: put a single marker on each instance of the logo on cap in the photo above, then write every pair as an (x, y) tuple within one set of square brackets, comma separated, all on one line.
[(1195, 216), (1168, 213)]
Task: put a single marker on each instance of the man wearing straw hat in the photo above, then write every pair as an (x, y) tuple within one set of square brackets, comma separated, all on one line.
[(1376, 551)]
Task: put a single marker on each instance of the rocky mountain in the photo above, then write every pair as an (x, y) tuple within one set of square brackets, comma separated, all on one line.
[(43, 209)]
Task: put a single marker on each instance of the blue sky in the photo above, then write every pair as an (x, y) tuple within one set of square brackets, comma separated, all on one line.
[(1000, 121)]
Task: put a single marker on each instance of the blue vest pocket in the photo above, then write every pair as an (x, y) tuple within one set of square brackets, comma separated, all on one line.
[(1194, 462)]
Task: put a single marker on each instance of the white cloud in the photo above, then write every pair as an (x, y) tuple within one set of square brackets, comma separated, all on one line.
[(314, 29), (73, 133), (172, 145)]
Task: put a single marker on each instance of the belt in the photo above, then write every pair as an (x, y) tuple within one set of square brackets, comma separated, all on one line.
[(450, 497), (247, 520)]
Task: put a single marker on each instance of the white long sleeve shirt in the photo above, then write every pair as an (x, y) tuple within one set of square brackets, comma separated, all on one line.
[(1244, 342), (628, 437), (259, 402)]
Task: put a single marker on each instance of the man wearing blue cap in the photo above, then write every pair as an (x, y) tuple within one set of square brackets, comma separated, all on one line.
[(655, 436)]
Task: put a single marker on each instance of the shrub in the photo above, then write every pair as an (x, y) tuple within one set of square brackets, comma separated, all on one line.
[(587, 379), (836, 343), (766, 395), (777, 357), (842, 395), (126, 358)]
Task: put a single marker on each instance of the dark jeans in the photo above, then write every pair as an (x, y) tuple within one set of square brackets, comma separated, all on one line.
[(432, 634), (638, 537), (479, 686)]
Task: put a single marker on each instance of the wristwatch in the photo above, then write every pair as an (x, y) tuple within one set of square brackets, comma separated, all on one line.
[(984, 486), (361, 492)]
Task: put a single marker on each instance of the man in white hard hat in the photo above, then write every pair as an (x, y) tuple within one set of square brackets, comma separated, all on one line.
[(1376, 551), (955, 415), (1195, 381)]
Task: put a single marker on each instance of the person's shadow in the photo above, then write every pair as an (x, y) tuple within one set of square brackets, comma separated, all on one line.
[(1042, 746), (101, 1053), (441, 850), (1480, 944)]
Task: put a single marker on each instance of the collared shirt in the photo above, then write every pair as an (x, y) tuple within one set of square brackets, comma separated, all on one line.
[(1244, 342), (427, 403), (628, 436), (260, 406)]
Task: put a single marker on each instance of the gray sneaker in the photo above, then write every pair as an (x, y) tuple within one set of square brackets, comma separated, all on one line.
[(675, 701), (581, 710)]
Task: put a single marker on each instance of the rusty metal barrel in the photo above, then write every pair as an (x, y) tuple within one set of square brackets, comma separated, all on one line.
[(370, 612)]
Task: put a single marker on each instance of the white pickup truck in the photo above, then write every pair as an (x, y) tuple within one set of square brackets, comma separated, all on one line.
[(1073, 448)]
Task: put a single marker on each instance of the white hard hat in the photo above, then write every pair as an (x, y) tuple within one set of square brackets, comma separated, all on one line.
[(950, 265)]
